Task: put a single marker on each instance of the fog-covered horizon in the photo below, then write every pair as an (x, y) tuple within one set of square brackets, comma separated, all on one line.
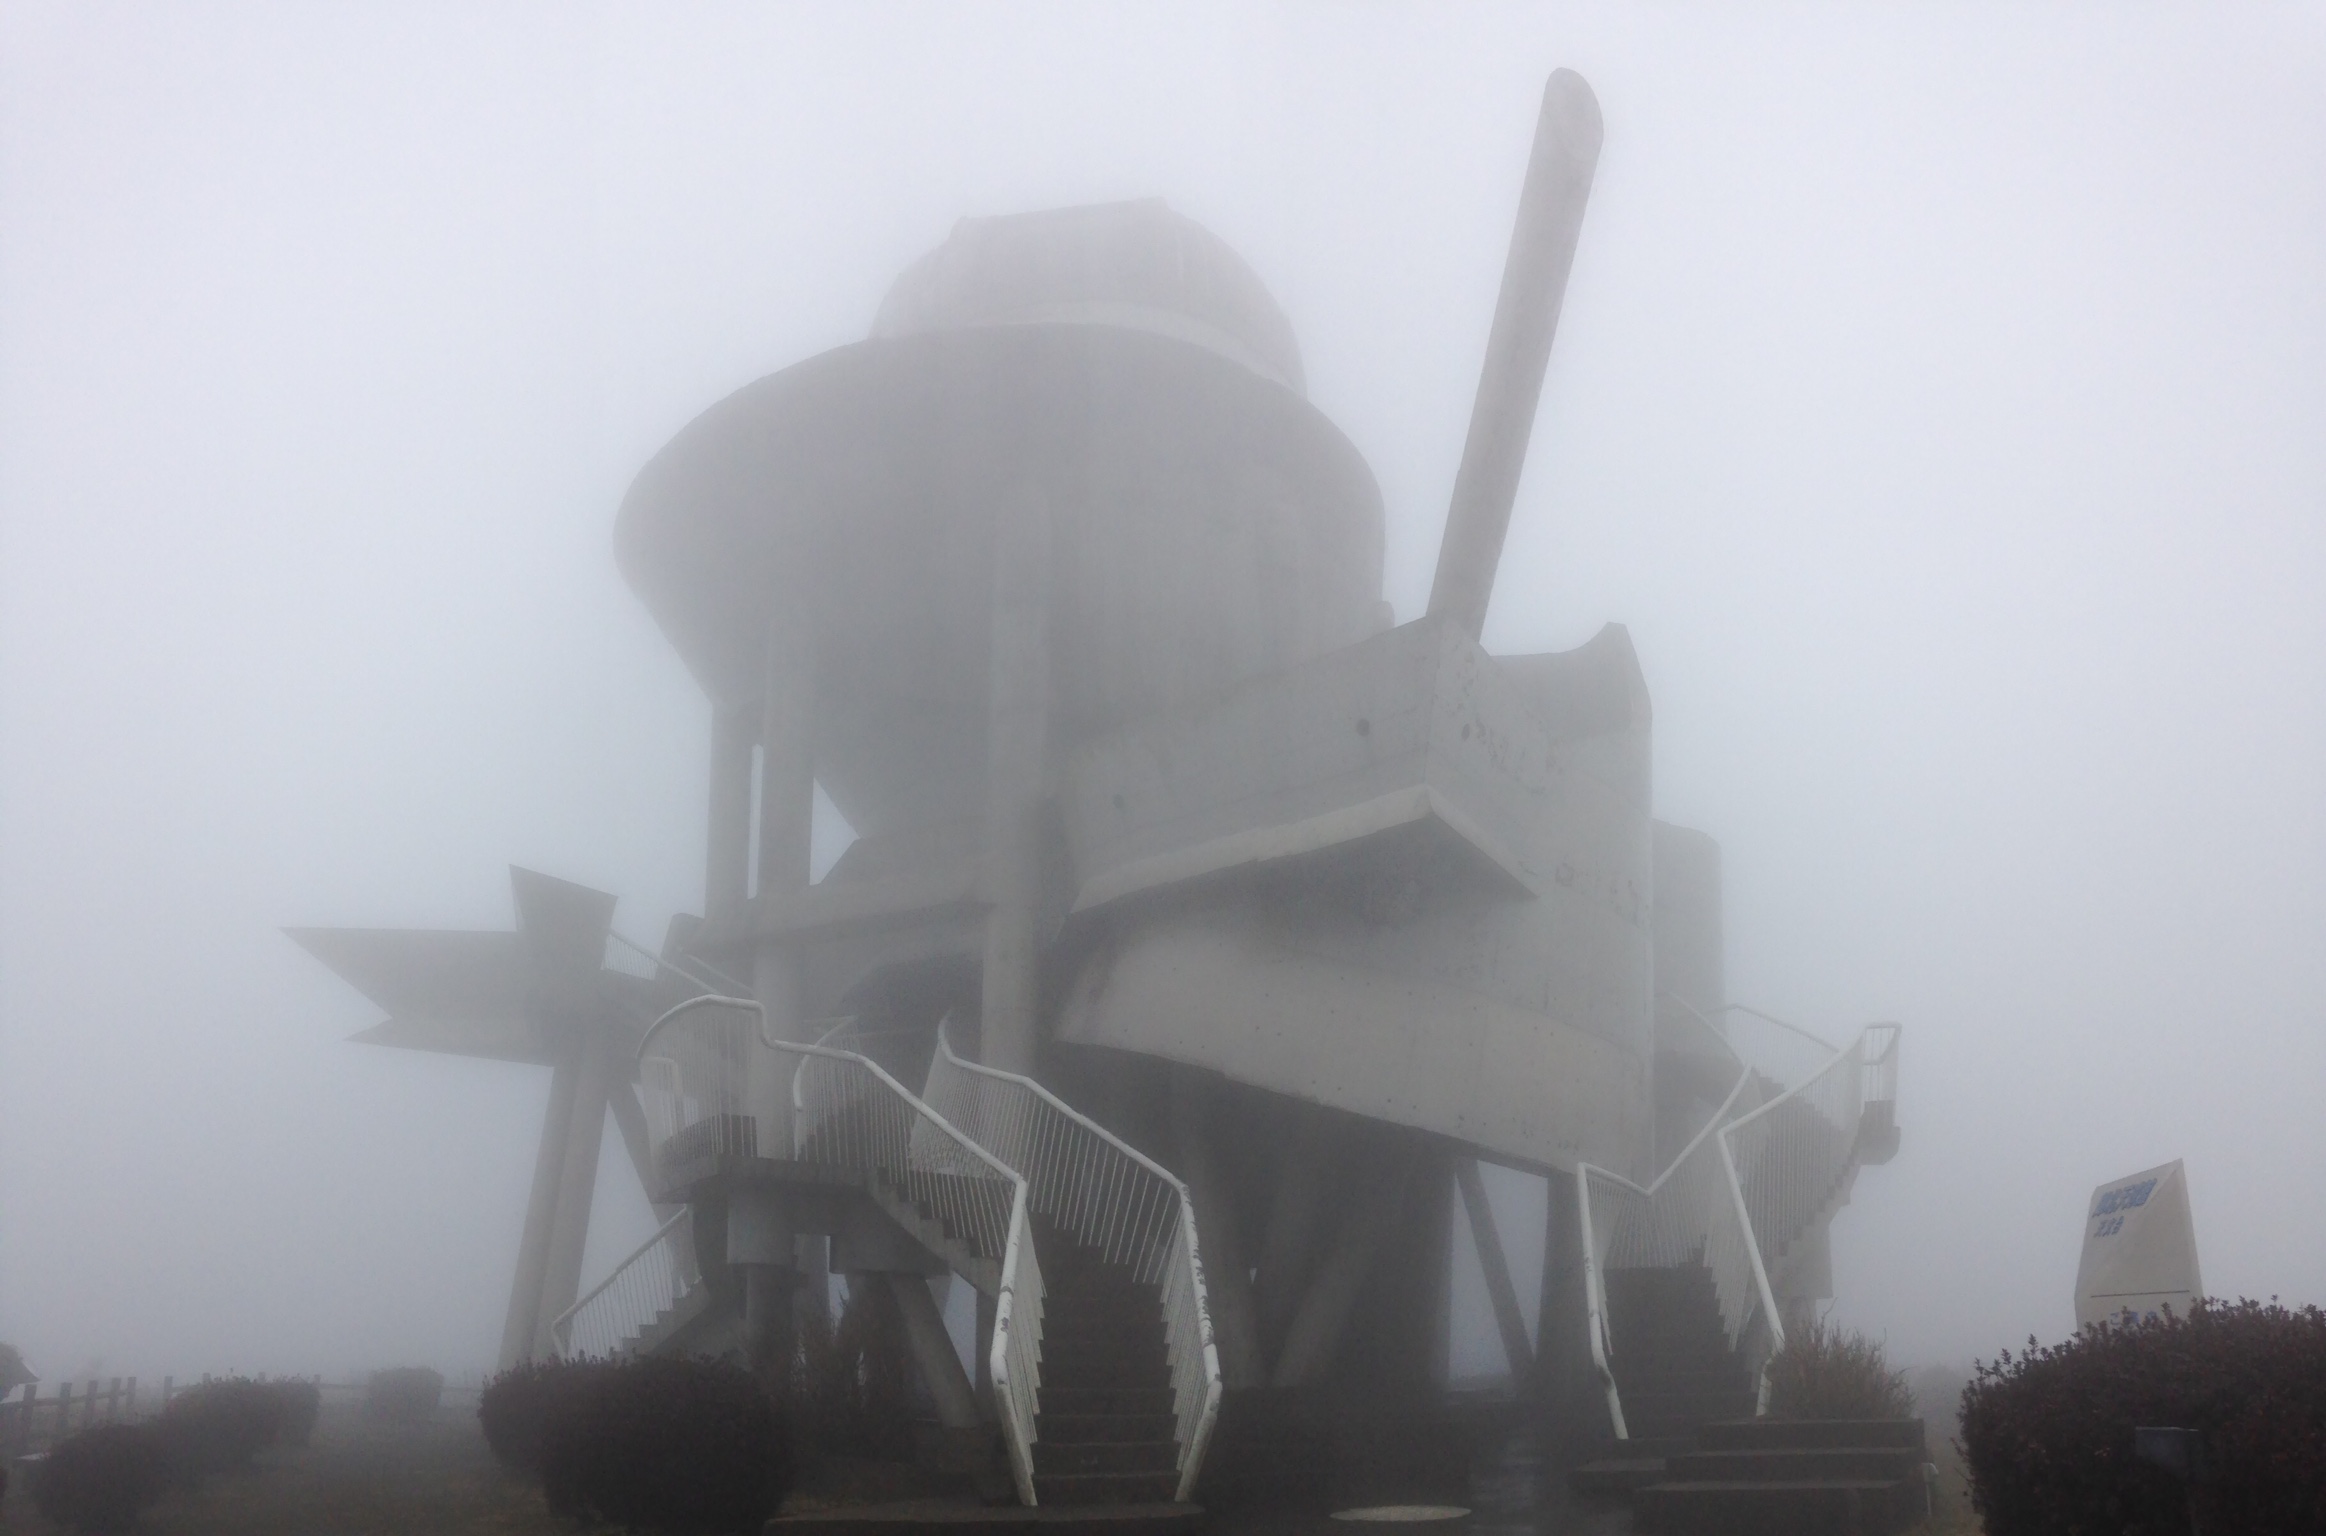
[(1937, 402)]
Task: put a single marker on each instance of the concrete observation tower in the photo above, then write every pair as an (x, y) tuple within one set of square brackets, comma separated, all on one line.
[(1203, 931)]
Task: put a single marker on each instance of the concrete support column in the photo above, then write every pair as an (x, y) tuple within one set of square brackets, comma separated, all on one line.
[(1017, 772), (787, 792), (933, 1353), (1499, 1288), (1562, 1348), (1227, 1276), (577, 1187), (727, 856), (540, 1215), (1295, 1213), (761, 1244), (1323, 1316)]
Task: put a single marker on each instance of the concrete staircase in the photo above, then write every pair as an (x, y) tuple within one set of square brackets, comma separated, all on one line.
[(1791, 1477), (1105, 1424), (1673, 1365)]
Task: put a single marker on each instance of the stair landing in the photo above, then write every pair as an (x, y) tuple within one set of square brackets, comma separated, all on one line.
[(927, 1517)]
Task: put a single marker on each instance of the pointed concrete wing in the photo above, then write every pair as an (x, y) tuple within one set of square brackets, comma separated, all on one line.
[(564, 925), (459, 992)]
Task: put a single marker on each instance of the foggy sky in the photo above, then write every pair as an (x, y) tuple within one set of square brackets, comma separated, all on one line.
[(1940, 400)]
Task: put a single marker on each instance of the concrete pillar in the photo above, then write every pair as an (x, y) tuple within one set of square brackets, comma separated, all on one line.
[(988, 1313), (1323, 1315), (1499, 1289), (933, 1355), (1017, 770), (577, 1185), (1227, 1278), (787, 792), (540, 1213), (727, 856), (761, 1245), (1295, 1214), (1563, 1348)]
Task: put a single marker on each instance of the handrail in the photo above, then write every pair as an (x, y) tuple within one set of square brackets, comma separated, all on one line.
[(623, 1327), (1075, 1178), (1768, 1192), (678, 968), (873, 1124), (1594, 1283)]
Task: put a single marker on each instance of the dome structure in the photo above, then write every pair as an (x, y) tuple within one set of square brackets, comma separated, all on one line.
[(1138, 266), (1120, 365)]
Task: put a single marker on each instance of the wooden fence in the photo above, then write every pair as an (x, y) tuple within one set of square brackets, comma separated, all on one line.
[(32, 1423)]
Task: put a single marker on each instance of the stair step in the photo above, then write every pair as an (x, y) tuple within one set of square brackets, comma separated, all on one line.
[(1104, 1402), (1102, 1428), (1079, 1331), (1073, 1373), (1615, 1475), (1750, 1434), (1053, 1457), (1070, 1488), (1839, 1464), (1860, 1507)]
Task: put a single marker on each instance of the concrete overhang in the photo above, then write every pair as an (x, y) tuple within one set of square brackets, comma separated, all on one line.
[(1415, 733)]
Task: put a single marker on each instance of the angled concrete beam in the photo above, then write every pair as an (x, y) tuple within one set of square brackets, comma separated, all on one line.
[(1499, 1289), (1323, 1316), (540, 1214)]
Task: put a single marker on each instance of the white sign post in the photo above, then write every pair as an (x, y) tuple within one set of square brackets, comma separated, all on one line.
[(2140, 1249)]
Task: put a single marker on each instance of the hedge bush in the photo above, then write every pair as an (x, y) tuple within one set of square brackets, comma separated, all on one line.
[(517, 1406), (852, 1384), (2047, 1435), (404, 1395), (680, 1446), (221, 1424), (103, 1477), (302, 1403), (1825, 1372)]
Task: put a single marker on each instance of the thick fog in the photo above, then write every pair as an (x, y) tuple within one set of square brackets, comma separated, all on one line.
[(1940, 401)]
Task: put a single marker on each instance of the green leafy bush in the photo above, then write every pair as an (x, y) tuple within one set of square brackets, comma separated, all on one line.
[(302, 1403), (405, 1395), (220, 1425), (2048, 1434), (100, 1479), (1825, 1372), (668, 1445), (851, 1385), (517, 1406)]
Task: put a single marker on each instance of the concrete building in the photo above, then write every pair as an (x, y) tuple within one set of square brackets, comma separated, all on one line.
[(1252, 921)]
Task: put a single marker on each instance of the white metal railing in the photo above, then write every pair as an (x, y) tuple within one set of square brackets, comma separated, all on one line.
[(644, 1288), (1685, 1217), (1110, 1198), (695, 1082), (714, 1084), (1764, 1170)]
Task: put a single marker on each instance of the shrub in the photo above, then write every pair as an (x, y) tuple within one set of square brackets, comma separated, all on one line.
[(405, 1395), (220, 1425), (1825, 1372), (2048, 1434), (851, 1384), (668, 1445), (517, 1406), (101, 1478), (302, 1405)]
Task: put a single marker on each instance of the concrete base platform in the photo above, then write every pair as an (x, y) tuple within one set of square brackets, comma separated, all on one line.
[(931, 1517)]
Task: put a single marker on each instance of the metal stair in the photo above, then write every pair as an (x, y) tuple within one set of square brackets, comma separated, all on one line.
[(1103, 1352)]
